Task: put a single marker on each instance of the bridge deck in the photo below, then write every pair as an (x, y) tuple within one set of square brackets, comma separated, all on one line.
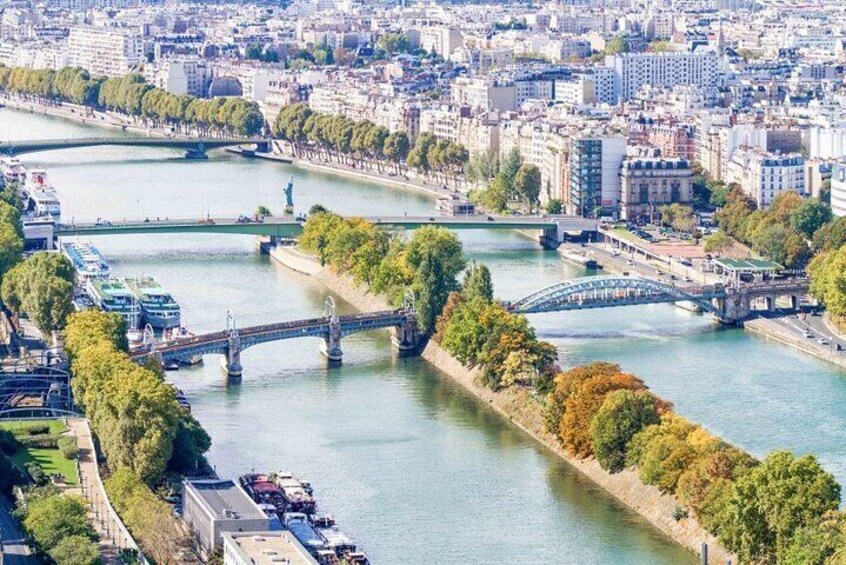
[(35, 145)]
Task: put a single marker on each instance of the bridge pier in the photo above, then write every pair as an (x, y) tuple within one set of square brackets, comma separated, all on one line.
[(550, 239), (198, 153), (406, 337), (231, 363), (331, 346)]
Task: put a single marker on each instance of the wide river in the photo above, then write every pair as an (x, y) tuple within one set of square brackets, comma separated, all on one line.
[(416, 469)]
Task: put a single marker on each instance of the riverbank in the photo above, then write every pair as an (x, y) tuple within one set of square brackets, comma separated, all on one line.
[(521, 409), (772, 330)]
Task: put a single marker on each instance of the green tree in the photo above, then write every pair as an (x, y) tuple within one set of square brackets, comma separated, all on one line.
[(555, 206), (621, 416), (809, 217), (775, 500), (478, 284), (618, 44), (527, 184), (393, 43), (509, 168), (263, 211), (718, 242), (831, 235), (828, 280), (50, 520), (75, 550), (11, 247)]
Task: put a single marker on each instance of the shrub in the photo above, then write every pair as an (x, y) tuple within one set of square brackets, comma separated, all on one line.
[(36, 473), (32, 430), (621, 416), (42, 441), (69, 448), (679, 513)]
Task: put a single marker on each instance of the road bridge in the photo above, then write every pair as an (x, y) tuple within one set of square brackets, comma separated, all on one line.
[(331, 327), (553, 228), (729, 304), (195, 148)]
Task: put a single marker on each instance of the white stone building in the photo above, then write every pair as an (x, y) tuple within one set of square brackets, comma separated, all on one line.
[(763, 175), (633, 70), (105, 51)]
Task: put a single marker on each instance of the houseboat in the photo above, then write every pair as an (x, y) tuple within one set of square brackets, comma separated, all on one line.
[(87, 261), (158, 307), (112, 295)]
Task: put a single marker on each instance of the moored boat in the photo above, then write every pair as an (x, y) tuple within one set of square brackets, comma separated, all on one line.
[(86, 260), (112, 295), (158, 307)]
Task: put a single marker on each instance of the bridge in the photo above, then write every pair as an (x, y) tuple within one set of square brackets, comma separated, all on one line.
[(331, 327), (553, 228), (34, 388), (195, 148), (729, 304)]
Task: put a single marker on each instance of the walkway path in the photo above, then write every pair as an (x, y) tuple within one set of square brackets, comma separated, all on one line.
[(113, 535)]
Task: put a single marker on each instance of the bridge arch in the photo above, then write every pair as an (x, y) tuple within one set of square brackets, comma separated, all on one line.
[(609, 291)]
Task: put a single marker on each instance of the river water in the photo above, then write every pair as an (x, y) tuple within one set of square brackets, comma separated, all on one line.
[(415, 468)]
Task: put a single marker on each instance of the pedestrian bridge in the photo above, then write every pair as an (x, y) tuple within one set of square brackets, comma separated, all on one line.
[(232, 341), (194, 147), (728, 304), (553, 227)]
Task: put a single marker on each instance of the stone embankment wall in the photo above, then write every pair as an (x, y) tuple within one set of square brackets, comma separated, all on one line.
[(525, 412)]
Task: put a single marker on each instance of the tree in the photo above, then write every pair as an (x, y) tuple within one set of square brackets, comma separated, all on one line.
[(396, 147), (435, 256), (509, 168), (91, 327), (718, 242), (775, 500), (582, 404), (75, 550), (393, 43), (810, 216), (527, 184), (816, 544), (622, 414), (618, 44), (565, 383), (478, 284), (831, 235), (11, 247), (828, 280), (50, 520), (41, 287), (555, 206), (263, 211)]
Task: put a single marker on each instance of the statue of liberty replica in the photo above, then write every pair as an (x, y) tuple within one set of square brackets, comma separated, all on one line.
[(289, 197)]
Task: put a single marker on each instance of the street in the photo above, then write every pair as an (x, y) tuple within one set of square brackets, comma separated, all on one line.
[(15, 551)]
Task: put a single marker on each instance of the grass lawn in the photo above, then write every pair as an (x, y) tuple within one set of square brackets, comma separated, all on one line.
[(51, 460)]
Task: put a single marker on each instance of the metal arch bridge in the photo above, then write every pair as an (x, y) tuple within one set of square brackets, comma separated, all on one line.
[(331, 328), (609, 291), (36, 390), (287, 226), (194, 147)]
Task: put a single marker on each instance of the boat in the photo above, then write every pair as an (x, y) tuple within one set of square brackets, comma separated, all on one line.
[(44, 202), (12, 169), (285, 491), (336, 540), (87, 261), (158, 307), (112, 295), (297, 523)]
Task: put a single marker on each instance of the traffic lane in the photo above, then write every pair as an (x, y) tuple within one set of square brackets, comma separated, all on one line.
[(801, 323), (15, 550)]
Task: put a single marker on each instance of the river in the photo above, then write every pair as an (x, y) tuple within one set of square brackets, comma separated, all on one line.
[(412, 466)]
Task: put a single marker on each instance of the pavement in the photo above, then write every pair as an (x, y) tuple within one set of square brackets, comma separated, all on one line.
[(15, 551)]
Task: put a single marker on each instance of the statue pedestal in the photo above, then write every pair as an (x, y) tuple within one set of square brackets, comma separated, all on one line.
[(289, 210)]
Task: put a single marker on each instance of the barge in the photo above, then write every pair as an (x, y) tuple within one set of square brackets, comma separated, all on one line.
[(283, 490)]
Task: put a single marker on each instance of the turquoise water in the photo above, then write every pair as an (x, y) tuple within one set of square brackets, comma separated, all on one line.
[(411, 465)]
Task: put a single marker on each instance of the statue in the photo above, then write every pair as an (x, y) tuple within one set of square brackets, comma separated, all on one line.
[(289, 195)]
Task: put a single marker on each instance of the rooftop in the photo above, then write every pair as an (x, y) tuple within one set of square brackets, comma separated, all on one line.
[(223, 497), (747, 265), (267, 548)]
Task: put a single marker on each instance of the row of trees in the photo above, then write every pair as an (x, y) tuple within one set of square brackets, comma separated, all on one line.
[(780, 233), (57, 526), (131, 408), (336, 137), (428, 263), (42, 288), (508, 180), (780, 510), (828, 279), (142, 430), (479, 332), (11, 234), (132, 95)]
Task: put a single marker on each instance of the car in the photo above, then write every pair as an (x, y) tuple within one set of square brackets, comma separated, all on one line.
[(688, 279), (243, 219), (105, 223), (808, 334), (491, 219), (629, 262), (823, 341)]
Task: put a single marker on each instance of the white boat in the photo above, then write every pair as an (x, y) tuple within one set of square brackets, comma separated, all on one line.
[(87, 261), (12, 169)]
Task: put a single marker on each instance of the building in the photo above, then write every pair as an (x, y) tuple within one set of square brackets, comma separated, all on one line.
[(838, 190), (264, 548), (634, 70), (763, 175), (211, 507), (189, 76), (105, 51), (594, 180), (648, 182), (485, 94)]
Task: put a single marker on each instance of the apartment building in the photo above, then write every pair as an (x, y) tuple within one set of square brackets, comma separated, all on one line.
[(478, 134), (838, 190), (634, 70), (481, 93), (646, 183), (593, 175), (105, 51), (763, 175), (186, 76)]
